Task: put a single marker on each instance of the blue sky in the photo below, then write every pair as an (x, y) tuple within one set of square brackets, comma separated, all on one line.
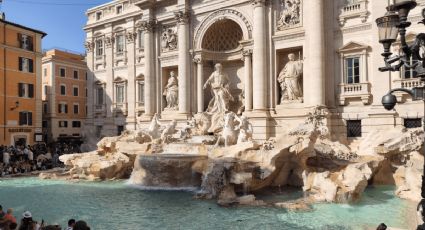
[(62, 20)]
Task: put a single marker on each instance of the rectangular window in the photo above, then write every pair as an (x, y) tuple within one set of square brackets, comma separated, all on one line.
[(412, 123), (25, 42), (62, 108), (75, 91), (63, 124), (410, 73), (62, 72), (76, 109), (25, 90), (45, 90), (75, 74), (141, 92), (354, 128), (45, 72), (119, 9), (352, 70), (98, 15), (98, 130), (87, 92), (120, 94), (141, 40), (45, 108), (25, 118), (44, 124), (63, 90), (76, 124), (120, 43), (26, 65), (86, 76), (99, 48), (99, 96)]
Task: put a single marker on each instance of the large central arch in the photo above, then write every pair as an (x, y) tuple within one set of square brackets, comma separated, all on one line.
[(224, 14)]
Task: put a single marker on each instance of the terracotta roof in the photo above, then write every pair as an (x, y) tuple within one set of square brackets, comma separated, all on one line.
[(24, 27)]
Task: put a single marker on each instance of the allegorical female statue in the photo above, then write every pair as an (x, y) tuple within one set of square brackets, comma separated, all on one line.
[(171, 92), (219, 104), (290, 80)]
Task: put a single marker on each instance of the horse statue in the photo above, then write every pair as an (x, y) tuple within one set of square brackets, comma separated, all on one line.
[(230, 131)]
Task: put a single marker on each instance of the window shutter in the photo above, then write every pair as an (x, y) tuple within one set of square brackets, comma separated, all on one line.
[(30, 90), (66, 124), (20, 40), (29, 118), (20, 93), (66, 108), (31, 65), (21, 118), (59, 108), (30, 43), (20, 64)]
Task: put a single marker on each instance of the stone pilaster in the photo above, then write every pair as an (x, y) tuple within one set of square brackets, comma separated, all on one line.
[(182, 18), (131, 88), (247, 58), (150, 85), (200, 84), (259, 56)]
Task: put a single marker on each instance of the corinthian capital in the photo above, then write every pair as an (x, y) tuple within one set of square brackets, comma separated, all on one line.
[(89, 46), (258, 2), (182, 17), (147, 25)]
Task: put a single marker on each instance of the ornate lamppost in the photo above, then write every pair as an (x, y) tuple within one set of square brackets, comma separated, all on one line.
[(395, 22)]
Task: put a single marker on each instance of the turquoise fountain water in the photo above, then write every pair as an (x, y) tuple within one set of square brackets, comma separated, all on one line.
[(113, 205)]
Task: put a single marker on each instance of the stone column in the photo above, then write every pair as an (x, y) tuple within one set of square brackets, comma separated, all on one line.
[(148, 27), (259, 56), (182, 18), (109, 90), (314, 77), (131, 87), (248, 79), (200, 85)]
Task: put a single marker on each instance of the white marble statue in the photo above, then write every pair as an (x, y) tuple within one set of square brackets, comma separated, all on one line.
[(290, 14), (155, 127), (242, 101), (230, 130), (169, 39), (245, 130), (171, 92), (169, 131), (219, 104), (290, 80), (186, 131)]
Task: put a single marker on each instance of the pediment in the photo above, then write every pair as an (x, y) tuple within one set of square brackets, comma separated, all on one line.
[(353, 46), (140, 77), (119, 80), (99, 82)]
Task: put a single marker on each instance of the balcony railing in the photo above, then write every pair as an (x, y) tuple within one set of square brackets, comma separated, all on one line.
[(355, 10), (120, 108), (355, 91), (352, 7), (408, 83)]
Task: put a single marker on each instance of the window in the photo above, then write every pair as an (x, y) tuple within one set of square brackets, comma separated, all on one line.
[(98, 130), (26, 65), (63, 90), (25, 42), (76, 109), (44, 124), (410, 73), (86, 76), (119, 94), (99, 48), (25, 90), (45, 72), (25, 118), (119, 9), (75, 74), (45, 90), (45, 108), (62, 72), (62, 108), (76, 124), (120, 43), (63, 124), (98, 15), (141, 41), (75, 91), (87, 92), (354, 128), (412, 123), (99, 96), (141, 92), (352, 70)]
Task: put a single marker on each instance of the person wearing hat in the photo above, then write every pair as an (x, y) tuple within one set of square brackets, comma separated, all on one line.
[(27, 223)]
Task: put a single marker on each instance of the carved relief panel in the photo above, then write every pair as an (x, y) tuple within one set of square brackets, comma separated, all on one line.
[(290, 14)]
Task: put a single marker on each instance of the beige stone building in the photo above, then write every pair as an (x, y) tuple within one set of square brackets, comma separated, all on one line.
[(64, 95), (134, 45)]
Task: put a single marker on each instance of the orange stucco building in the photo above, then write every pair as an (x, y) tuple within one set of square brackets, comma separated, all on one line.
[(64, 95), (20, 84)]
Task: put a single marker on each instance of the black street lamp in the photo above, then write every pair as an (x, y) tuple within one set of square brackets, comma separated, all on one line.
[(393, 23)]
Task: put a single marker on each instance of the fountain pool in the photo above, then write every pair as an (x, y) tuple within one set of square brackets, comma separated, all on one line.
[(114, 205)]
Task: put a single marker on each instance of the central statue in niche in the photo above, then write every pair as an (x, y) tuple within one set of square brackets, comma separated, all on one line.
[(219, 104)]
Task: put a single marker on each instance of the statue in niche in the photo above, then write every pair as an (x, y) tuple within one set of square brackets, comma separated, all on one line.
[(219, 104), (290, 14), (169, 40), (171, 92), (290, 80), (242, 101)]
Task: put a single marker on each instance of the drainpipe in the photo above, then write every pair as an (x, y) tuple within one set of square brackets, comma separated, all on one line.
[(4, 83)]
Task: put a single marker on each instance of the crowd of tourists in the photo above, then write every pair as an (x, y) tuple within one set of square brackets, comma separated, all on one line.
[(23, 159), (9, 222)]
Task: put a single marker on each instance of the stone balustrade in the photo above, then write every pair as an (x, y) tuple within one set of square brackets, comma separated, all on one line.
[(355, 91), (120, 108)]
